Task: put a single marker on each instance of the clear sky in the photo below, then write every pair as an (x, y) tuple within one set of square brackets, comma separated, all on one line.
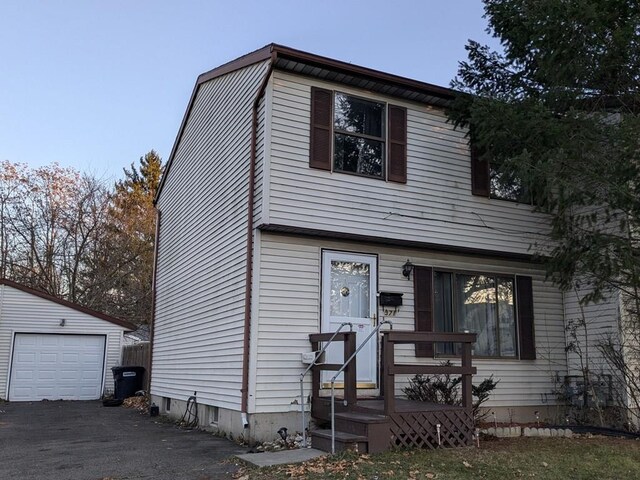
[(96, 84)]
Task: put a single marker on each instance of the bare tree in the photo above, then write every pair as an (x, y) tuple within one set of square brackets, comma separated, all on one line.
[(51, 218), (70, 235)]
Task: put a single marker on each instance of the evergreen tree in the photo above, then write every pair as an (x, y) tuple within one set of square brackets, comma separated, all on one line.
[(556, 114), (558, 110), (123, 263)]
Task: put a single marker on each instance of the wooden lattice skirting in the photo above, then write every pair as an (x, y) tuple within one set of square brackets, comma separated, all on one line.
[(419, 429)]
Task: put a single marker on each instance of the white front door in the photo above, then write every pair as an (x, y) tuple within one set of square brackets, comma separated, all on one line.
[(349, 287)]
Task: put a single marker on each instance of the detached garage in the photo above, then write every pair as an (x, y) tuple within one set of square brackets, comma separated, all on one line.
[(53, 349)]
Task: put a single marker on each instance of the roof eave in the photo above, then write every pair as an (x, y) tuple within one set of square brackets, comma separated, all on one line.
[(128, 326), (274, 52), (349, 68)]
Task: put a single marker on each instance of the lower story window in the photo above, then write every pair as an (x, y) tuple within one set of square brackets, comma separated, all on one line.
[(476, 303)]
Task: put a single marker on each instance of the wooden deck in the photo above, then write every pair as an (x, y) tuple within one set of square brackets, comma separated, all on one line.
[(403, 406), (377, 424)]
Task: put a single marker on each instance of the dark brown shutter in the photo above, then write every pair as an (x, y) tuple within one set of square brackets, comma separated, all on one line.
[(397, 144), (321, 121), (423, 294), (479, 174), (526, 331)]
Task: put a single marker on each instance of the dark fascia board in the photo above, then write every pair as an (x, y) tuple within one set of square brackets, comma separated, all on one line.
[(129, 327), (280, 51), (392, 242), (256, 56), (274, 51), (348, 68)]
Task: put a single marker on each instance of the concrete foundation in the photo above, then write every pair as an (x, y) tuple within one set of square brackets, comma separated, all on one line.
[(262, 427)]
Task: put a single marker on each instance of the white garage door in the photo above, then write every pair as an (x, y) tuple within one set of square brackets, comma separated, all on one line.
[(54, 367)]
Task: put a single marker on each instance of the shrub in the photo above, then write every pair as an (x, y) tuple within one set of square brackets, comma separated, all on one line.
[(445, 390)]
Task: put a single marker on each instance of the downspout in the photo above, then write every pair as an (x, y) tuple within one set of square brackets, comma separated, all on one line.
[(153, 298), (249, 255)]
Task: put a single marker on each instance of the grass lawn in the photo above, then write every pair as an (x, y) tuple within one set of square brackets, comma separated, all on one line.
[(540, 458)]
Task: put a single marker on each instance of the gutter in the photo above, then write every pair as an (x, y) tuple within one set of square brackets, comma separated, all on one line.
[(249, 254)]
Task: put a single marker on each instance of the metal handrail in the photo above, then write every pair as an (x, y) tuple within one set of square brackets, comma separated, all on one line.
[(302, 375), (340, 370)]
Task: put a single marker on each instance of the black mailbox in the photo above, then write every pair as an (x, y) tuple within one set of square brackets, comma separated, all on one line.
[(388, 299)]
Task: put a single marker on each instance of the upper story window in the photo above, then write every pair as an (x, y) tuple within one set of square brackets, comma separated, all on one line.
[(351, 134), (506, 186), (359, 136), (489, 180)]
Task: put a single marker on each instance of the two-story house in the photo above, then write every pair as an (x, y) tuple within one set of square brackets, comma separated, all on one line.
[(299, 188)]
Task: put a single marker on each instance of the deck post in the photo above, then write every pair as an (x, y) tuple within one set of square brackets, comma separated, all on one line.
[(315, 374), (389, 376), (350, 372), (467, 400)]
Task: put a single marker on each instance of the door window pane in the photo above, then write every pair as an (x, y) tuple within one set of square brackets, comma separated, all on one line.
[(350, 286)]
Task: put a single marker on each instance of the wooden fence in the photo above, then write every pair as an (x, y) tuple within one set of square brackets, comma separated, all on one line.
[(137, 355)]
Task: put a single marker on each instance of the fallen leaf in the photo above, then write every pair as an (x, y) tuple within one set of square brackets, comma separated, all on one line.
[(545, 464), (467, 464)]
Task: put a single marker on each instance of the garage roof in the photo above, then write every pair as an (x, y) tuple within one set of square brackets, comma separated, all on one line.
[(128, 326)]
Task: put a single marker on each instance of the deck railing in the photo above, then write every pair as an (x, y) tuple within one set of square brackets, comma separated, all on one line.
[(347, 362), (410, 424), (317, 356), (349, 375), (391, 368)]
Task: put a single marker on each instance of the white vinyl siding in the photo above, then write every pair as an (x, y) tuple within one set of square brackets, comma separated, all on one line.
[(631, 341), (434, 206), (199, 317), (21, 312), (289, 311), (601, 319)]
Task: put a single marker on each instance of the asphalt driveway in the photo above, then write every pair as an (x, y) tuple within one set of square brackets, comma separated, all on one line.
[(84, 440)]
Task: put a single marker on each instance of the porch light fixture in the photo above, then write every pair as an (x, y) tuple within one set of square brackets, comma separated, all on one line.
[(63, 322), (407, 268)]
